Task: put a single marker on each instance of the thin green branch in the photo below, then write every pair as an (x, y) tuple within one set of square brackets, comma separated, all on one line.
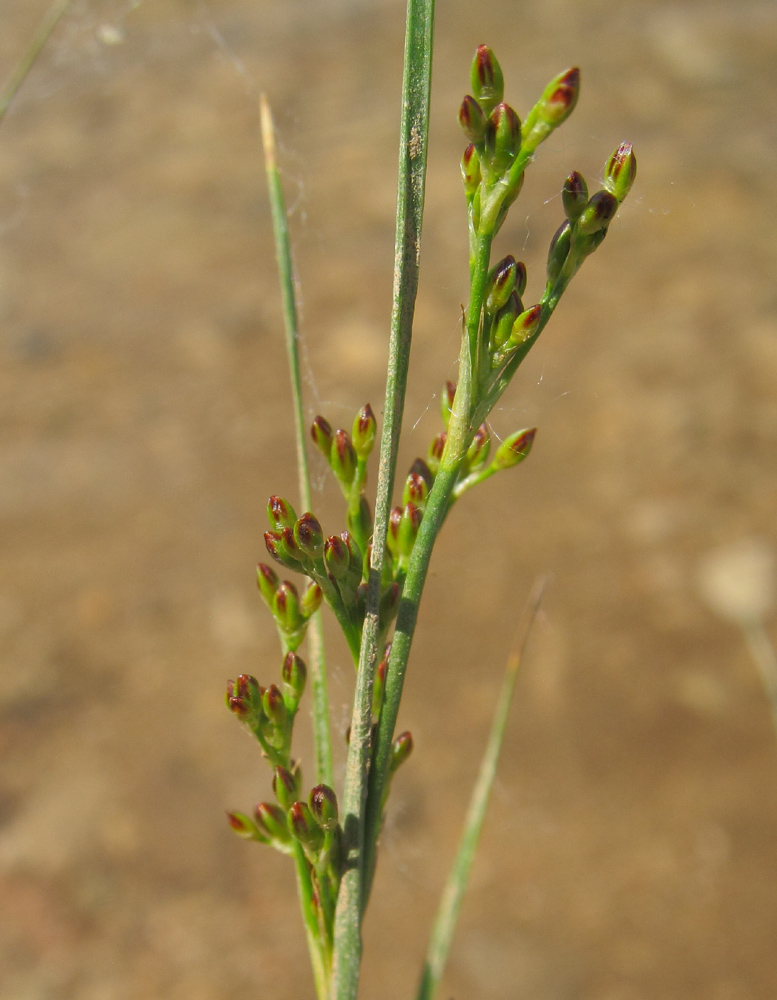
[(316, 660), (33, 50), (416, 87), (455, 887)]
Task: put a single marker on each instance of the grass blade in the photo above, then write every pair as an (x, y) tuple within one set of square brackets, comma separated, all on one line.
[(25, 64), (416, 87), (453, 893), (316, 661)]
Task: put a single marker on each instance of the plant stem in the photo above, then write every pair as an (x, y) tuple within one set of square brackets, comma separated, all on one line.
[(25, 64), (414, 130), (316, 660), (312, 930), (453, 893)]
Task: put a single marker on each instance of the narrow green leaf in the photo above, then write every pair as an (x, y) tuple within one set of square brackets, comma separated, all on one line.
[(316, 661), (416, 87), (453, 893), (25, 64)]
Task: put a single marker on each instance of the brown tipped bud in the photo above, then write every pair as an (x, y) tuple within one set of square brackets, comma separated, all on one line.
[(470, 170), (321, 432), (271, 822), (416, 491), (304, 828), (487, 79), (514, 449), (401, 749), (244, 827), (343, 457), (308, 536), (311, 599), (279, 548), (294, 674), (274, 706), (420, 468), (502, 138), (477, 453), (286, 785), (501, 282), (526, 325), (560, 97), (286, 609), (244, 698), (280, 513), (323, 805), (598, 213), (365, 428), (503, 321), (392, 536), (407, 531), (558, 251), (267, 581), (436, 448), (574, 196), (379, 687), (472, 119), (336, 557), (620, 171)]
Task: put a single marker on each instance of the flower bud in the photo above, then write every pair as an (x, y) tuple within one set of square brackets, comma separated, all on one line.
[(420, 468), (274, 706), (470, 170), (521, 278), (560, 97), (356, 567), (416, 490), (525, 325), (280, 513), (285, 607), (446, 401), (308, 536), (401, 749), (477, 453), (407, 530), (343, 458), (336, 558), (574, 196), (436, 448), (321, 432), (271, 822), (559, 249), (379, 687), (294, 674), (360, 522), (472, 119), (304, 828), (267, 581), (279, 549), (244, 827), (311, 599), (503, 321), (501, 282), (502, 138), (514, 449), (620, 171), (487, 79), (244, 697), (286, 785), (392, 535), (365, 428), (323, 805), (598, 213)]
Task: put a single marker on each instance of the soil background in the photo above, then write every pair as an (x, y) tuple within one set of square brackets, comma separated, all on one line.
[(630, 852)]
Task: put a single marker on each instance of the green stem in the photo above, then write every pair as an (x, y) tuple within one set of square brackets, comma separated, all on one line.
[(414, 130), (312, 930), (25, 64), (316, 660), (453, 893)]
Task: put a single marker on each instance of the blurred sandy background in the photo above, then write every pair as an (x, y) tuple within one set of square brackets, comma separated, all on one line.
[(631, 850)]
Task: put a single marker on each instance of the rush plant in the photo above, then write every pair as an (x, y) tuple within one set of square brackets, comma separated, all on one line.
[(371, 572)]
